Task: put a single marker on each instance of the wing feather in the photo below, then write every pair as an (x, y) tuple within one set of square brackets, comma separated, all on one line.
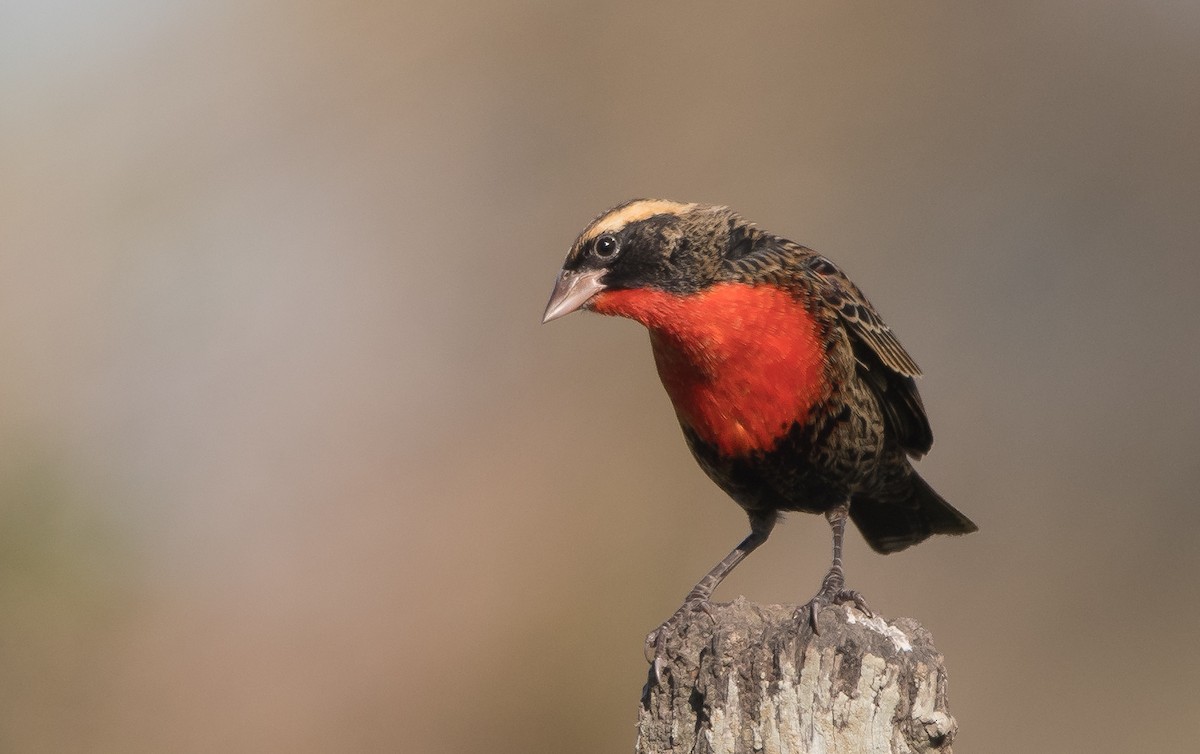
[(882, 363)]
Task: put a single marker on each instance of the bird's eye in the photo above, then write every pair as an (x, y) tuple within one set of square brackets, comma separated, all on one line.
[(606, 247)]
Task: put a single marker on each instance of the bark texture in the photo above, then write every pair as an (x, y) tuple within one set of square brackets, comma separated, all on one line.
[(751, 678)]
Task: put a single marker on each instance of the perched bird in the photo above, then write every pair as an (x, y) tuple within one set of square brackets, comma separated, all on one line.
[(792, 393)]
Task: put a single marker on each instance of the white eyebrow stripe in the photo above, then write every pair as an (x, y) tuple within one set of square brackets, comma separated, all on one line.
[(617, 220)]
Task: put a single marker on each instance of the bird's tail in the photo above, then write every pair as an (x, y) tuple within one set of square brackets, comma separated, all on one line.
[(899, 524)]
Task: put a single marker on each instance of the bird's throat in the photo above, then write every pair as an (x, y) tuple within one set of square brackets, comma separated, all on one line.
[(741, 363)]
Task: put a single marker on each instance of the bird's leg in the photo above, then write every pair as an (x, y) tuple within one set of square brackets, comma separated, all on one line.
[(833, 587), (761, 524)]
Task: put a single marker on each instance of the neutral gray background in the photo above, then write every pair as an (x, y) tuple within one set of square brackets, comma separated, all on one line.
[(288, 464)]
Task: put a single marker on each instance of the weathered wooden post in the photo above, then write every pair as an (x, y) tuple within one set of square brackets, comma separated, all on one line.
[(750, 678)]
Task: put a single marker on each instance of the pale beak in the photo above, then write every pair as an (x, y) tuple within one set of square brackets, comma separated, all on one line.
[(571, 291)]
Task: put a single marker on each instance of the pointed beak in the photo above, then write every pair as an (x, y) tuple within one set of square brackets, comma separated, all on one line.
[(571, 291)]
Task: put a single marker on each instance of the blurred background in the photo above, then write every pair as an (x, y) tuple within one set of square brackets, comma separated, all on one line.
[(287, 462)]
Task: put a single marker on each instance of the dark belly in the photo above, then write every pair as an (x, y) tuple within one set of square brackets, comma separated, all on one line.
[(838, 453)]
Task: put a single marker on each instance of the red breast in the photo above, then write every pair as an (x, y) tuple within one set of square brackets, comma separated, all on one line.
[(740, 362)]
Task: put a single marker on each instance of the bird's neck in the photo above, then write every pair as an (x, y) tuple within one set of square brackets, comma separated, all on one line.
[(741, 363)]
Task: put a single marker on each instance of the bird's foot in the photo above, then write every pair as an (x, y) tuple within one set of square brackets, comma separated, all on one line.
[(656, 641), (833, 592)]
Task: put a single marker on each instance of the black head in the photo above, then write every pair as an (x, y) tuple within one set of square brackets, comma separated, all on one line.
[(649, 243)]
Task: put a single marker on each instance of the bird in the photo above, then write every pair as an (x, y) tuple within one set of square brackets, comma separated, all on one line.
[(792, 393)]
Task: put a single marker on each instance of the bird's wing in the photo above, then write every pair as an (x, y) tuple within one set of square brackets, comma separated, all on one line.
[(860, 316), (882, 362), (775, 257)]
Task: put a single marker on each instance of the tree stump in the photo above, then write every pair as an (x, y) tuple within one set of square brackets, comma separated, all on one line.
[(751, 679)]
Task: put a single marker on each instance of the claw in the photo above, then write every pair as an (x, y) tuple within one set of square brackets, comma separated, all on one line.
[(859, 602), (655, 648), (760, 527), (833, 592), (651, 643)]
